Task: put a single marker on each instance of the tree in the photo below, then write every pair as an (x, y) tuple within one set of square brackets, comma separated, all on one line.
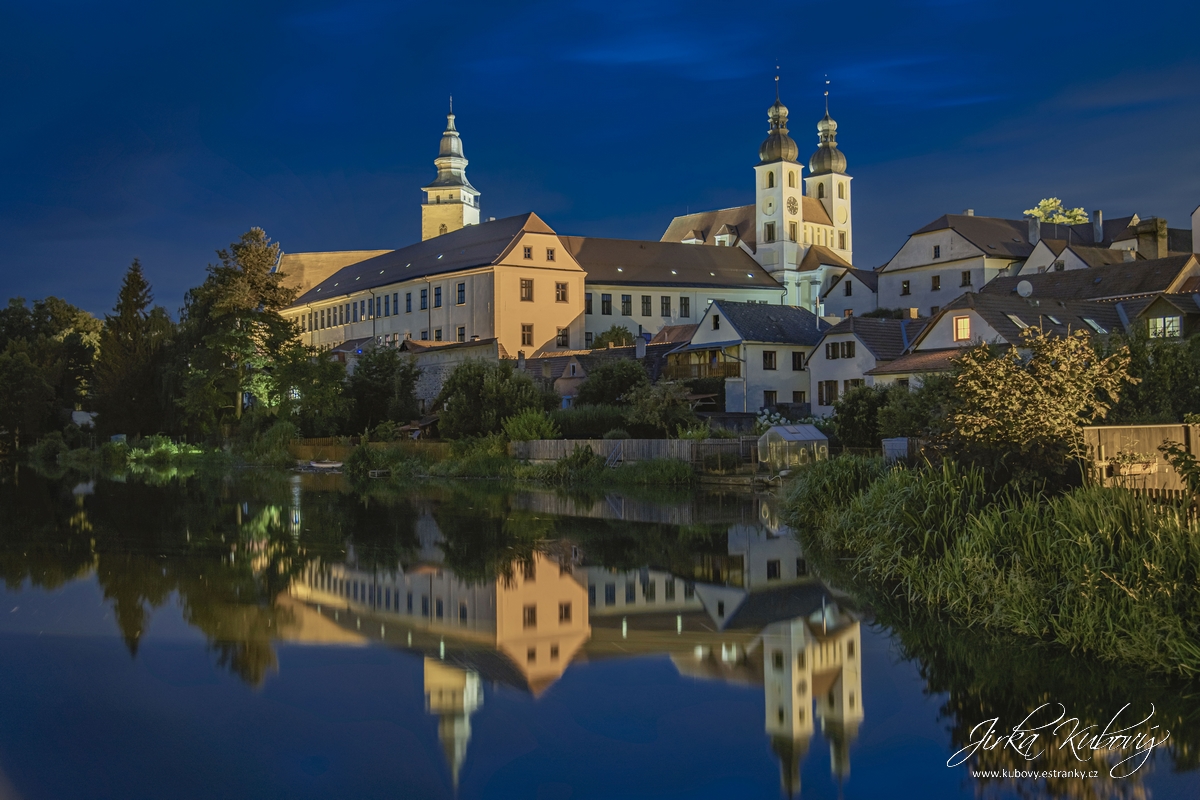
[(60, 341), (1051, 210), (663, 406), (232, 332), (27, 401), (308, 390), (1168, 379), (128, 396), (611, 382), (478, 397), (619, 335), (919, 412), (384, 387), (856, 416)]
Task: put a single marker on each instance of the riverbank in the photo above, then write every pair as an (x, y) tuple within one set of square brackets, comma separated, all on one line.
[(1096, 570)]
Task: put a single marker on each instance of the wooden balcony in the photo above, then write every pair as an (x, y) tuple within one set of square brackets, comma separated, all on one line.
[(684, 372)]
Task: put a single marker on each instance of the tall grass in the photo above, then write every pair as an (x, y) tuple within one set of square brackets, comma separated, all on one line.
[(1098, 570)]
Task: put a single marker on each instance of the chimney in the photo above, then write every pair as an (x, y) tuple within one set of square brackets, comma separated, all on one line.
[(1196, 230), (639, 347), (521, 360), (968, 212), (1035, 230), (1152, 238), (1097, 226), (1128, 255), (912, 313)]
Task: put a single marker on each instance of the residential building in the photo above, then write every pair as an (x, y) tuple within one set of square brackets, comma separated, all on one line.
[(1057, 255), (799, 229), (848, 351), (760, 351), (855, 291), (1140, 278)]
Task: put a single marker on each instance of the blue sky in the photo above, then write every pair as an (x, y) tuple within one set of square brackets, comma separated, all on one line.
[(162, 131)]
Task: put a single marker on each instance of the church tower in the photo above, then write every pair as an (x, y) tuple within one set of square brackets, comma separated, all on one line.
[(451, 202), (778, 195), (828, 182)]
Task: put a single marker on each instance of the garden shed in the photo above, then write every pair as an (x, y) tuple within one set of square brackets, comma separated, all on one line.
[(786, 446)]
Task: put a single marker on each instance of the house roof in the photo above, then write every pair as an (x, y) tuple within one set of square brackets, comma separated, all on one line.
[(918, 362), (761, 322), (1009, 238), (641, 263), (738, 220), (1125, 279), (1088, 254), (886, 339), (1186, 303), (417, 346), (466, 248), (867, 277), (1009, 314), (819, 255), (675, 333), (590, 359)]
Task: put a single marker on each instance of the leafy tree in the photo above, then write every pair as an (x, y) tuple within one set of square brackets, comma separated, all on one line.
[(917, 412), (856, 416), (128, 394), (619, 335), (1167, 374), (27, 401), (477, 397), (663, 406), (1051, 210), (60, 341), (611, 382), (308, 389), (384, 388), (232, 332)]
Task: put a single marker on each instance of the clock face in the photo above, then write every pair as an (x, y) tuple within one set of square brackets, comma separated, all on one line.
[(841, 215), (768, 206), (792, 205)]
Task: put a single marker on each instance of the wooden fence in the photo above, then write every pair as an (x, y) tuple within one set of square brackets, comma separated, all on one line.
[(333, 448), (1138, 465), (710, 454)]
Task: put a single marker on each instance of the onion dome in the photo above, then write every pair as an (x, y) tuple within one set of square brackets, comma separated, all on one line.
[(778, 145), (451, 141), (827, 158)]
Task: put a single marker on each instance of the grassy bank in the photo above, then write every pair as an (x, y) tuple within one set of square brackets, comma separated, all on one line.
[(1097, 570)]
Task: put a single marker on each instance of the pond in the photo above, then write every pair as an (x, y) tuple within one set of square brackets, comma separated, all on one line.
[(278, 635)]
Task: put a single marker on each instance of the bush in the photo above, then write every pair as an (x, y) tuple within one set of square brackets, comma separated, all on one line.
[(856, 416), (269, 448), (588, 422), (616, 433), (619, 335), (824, 486), (662, 406), (919, 412), (478, 457), (365, 459), (530, 424), (49, 450), (610, 383), (477, 397)]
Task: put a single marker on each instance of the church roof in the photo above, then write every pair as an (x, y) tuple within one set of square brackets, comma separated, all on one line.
[(818, 256), (634, 262), (466, 248)]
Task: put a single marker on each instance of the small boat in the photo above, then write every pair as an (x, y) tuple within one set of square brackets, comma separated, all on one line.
[(325, 464)]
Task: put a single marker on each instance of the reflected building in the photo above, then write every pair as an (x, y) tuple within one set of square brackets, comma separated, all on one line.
[(453, 695)]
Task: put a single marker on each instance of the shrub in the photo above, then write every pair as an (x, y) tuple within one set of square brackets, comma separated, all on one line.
[(619, 335), (856, 416), (477, 397), (823, 486), (477, 457), (49, 450), (616, 433), (581, 466), (588, 422), (532, 423), (364, 459), (662, 406), (610, 383), (269, 448)]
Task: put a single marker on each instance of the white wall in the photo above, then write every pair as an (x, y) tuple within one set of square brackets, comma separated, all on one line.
[(783, 380), (921, 294), (860, 301), (698, 299), (941, 336), (839, 369)]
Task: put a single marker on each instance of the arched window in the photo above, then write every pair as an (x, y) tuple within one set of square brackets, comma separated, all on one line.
[(771, 180), (820, 190), (791, 179), (441, 229), (841, 191)]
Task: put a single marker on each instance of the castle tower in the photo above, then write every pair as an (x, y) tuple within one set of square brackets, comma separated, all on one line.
[(451, 202), (828, 182)]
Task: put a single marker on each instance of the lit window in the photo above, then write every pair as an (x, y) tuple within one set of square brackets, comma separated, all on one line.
[(1164, 327), (962, 329), (904, 288)]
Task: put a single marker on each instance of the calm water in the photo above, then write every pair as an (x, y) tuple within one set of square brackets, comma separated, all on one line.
[(267, 635)]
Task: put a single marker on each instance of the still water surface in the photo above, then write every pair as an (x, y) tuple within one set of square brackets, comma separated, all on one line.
[(268, 635)]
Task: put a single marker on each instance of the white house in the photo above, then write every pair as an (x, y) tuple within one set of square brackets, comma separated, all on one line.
[(760, 350), (849, 351), (855, 291)]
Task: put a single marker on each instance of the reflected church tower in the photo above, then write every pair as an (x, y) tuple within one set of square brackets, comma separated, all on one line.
[(453, 695)]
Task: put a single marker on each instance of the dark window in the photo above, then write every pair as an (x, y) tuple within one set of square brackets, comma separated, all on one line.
[(966, 277), (591, 594), (564, 337), (529, 617), (768, 232), (531, 655), (462, 334), (777, 660), (849, 288), (627, 305), (649, 591), (587, 302), (554, 652), (937, 251), (848, 349), (716, 322), (646, 300), (549, 253), (665, 303), (424, 606), (424, 299), (440, 609), (768, 359), (564, 612), (462, 612), (685, 306), (437, 334), (610, 594), (560, 293), (801, 567), (437, 297), (462, 294), (424, 336), (769, 398), (791, 231), (721, 608), (841, 240), (587, 339), (527, 290), (606, 304), (797, 360), (935, 283), (378, 306), (934, 309), (904, 290), (853, 383), (773, 571), (408, 605), (832, 351), (689, 591), (827, 393), (799, 397), (820, 190), (408, 302), (530, 571), (387, 306), (527, 335), (529, 252), (669, 589), (630, 591), (771, 180)]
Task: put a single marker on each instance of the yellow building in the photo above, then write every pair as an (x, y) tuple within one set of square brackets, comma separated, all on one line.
[(451, 202)]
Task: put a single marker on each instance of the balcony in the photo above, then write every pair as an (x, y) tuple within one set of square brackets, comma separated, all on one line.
[(685, 372)]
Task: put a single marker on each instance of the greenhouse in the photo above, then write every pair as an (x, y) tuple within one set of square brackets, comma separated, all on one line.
[(786, 446)]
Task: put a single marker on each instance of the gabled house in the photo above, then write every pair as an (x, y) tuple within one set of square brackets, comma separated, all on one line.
[(1141, 278), (855, 291), (759, 350), (1057, 255), (993, 318), (848, 351)]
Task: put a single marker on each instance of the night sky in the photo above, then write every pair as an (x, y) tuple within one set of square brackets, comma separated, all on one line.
[(162, 131)]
